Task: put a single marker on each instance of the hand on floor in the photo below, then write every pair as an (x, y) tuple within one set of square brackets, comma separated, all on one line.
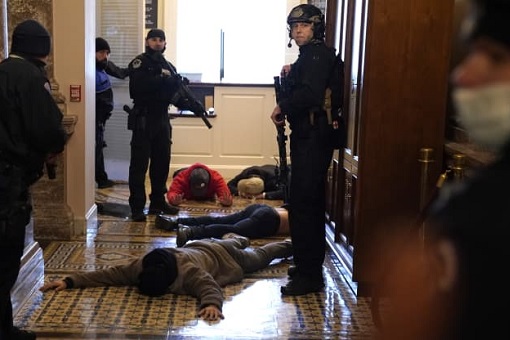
[(58, 285), (211, 313)]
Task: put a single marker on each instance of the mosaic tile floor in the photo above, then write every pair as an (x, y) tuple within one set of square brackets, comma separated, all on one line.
[(253, 308)]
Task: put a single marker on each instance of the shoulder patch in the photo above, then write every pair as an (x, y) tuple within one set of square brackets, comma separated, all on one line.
[(137, 63)]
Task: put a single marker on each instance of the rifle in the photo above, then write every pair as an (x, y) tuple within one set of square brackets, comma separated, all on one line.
[(282, 91), (185, 100)]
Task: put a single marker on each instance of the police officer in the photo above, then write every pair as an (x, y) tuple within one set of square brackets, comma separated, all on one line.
[(152, 85), (104, 104), (30, 134), (310, 149)]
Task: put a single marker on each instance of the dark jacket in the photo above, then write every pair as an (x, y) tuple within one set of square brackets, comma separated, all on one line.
[(30, 120), (475, 216), (148, 86), (308, 80), (267, 172)]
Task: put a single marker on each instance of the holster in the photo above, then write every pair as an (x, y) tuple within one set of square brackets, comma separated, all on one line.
[(137, 119)]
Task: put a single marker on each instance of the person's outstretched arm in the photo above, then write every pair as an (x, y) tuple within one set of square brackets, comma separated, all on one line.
[(123, 275), (115, 71), (201, 284)]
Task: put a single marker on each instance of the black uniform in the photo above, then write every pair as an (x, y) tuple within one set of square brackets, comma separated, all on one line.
[(311, 152), (151, 92), (30, 129), (104, 107)]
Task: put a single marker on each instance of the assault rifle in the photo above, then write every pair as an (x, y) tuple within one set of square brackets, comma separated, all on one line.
[(282, 91), (185, 100)]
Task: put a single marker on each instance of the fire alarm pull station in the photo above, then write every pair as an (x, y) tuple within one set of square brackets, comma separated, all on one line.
[(75, 93)]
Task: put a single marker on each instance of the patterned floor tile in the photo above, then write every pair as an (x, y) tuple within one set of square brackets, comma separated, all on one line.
[(254, 308)]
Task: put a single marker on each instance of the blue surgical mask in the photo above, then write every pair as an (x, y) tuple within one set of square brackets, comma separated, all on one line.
[(485, 114)]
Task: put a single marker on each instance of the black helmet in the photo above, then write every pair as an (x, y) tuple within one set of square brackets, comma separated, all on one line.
[(311, 14)]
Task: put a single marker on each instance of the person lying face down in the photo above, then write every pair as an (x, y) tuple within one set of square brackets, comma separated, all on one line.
[(200, 269), (199, 182)]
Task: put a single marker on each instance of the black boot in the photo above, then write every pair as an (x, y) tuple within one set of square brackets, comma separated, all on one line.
[(292, 271), (301, 283), (168, 223), (161, 207)]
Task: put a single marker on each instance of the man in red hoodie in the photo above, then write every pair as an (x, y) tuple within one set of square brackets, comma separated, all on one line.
[(199, 182)]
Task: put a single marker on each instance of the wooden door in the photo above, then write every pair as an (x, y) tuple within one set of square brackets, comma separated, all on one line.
[(397, 55)]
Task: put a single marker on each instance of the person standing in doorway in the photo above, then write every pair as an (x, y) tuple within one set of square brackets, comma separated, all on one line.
[(152, 85), (31, 134), (310, 148), (104, 104)]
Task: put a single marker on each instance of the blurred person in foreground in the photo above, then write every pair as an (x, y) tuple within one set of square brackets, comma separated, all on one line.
[(31, 135), (457, 287)]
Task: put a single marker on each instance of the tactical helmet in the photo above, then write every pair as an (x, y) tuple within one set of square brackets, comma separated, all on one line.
[(311, 14)]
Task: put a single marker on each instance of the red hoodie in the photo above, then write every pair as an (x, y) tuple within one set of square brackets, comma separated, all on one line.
[(217, 186)]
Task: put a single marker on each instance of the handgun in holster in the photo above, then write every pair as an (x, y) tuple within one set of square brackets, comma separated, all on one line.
[(136, 118)]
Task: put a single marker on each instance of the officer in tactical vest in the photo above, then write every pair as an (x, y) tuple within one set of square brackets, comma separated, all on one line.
[(310, 146), (152, 85), (31, 134)]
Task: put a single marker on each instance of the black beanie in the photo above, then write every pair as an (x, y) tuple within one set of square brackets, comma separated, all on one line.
[(31, 38), (492, 20), (102, 45), (156, 33), (159, 270)]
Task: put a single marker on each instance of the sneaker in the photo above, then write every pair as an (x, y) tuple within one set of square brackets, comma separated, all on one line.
[(162, 208), (301, 285), (19, 334), (184, 234), (168, 223), (138, 217), (105, 184), (244, 240)]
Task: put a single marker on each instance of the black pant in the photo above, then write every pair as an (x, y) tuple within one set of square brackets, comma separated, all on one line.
[(101, 175), (150, 143), (310, 155), (255, 221), (14, 216)]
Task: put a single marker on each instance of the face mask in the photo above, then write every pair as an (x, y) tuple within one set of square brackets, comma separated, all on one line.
[(485, 114)]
